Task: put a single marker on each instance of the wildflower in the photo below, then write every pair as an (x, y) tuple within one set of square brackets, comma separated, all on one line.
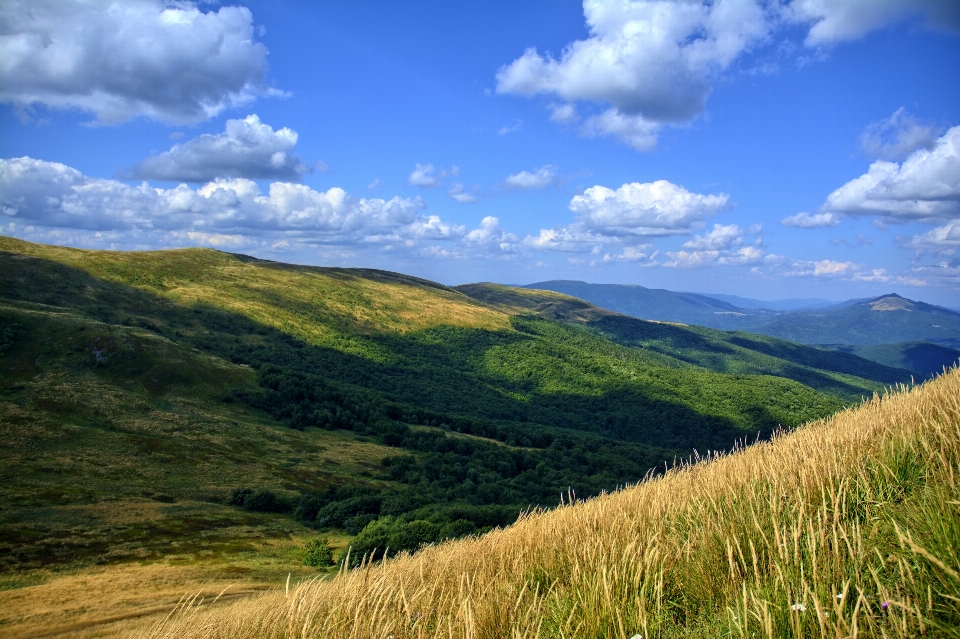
[(885, 605), (799, 607), (840, 597)]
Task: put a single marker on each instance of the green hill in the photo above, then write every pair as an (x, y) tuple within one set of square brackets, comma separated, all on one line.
[(233, 399)]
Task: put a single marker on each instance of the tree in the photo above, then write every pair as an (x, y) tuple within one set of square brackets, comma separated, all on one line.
[(317, 553)]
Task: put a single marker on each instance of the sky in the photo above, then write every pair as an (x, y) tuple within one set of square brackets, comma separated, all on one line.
[(769, 149)]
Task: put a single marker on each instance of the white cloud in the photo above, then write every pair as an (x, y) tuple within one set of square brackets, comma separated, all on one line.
[(811, 221), (563, 113), (515, 125), (653, 208), (425, 176), (166, 61), (944, 240), (247, 148), (838, 20), (49, 194), (653, 62), (897, 137), (490, 234), (567, 239), (746, 255), (457, 192), (719, 239), (821, 268), (539, 179), (642, 254), (633, 130), (926, 187)]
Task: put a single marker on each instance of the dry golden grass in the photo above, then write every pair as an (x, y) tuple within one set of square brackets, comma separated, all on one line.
[(844, 528)]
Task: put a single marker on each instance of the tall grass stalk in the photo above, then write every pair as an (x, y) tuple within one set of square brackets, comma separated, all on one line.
[(848, 527)]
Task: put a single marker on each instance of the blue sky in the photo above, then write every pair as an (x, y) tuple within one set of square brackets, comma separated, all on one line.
[(769, 150)]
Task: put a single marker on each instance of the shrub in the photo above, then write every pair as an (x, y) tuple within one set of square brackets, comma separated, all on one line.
[(317, 553)]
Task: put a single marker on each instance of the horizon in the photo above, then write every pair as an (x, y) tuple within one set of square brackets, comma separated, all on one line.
[(767, 151)]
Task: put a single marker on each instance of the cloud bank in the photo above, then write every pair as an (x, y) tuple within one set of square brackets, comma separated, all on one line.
[(55, 195)]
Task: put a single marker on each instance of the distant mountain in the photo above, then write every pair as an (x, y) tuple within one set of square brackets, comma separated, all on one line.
[(923, 359), (888, 319), (792, 304), (661, 305)]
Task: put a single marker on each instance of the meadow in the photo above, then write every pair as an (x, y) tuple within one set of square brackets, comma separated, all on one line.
[(846, 527)]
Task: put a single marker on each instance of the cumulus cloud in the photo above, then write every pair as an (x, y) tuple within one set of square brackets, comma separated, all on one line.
[(54, 195), (167, 61), (839, 20), (247, 149), (490, 235), (811, 220), (539, 179), (926, 187), (897, 137), (644, 58), (650, 209), (652, 63)]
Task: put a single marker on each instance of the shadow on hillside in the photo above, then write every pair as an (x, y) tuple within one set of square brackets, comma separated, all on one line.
[(438, 369), (798, 361)]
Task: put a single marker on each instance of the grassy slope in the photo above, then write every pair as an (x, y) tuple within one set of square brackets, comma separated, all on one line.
[(848, 527), (118, 461)]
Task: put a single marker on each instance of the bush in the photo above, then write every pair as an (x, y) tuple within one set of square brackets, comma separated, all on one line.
[(317, 553)]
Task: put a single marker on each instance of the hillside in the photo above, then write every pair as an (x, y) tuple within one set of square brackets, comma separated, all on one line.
[(846, 527), (198, 408)]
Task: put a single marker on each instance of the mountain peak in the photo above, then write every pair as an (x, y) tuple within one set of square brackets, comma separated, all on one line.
[(891, 302)]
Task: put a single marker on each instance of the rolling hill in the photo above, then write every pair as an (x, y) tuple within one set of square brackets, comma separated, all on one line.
[(215, 409)]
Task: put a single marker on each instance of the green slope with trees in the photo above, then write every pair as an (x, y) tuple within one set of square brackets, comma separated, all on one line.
[(240, 381)]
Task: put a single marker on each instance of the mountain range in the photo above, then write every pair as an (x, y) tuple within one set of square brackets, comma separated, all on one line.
[(920, 337)]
